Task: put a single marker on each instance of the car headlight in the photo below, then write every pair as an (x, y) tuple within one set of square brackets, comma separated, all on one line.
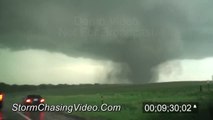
[(1, 97)]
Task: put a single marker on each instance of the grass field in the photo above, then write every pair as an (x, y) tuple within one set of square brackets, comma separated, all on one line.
[(130, 97)]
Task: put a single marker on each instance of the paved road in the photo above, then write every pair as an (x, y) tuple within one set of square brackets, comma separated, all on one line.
[(7, 114)]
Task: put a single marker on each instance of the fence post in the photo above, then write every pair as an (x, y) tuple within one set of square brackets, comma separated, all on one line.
[(201, 89), (102, 99)]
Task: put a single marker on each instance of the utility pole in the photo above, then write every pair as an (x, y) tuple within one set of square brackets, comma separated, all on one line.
[(209, 82), (208, 85)]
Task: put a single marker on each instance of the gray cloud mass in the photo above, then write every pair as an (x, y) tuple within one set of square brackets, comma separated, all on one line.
[(139, 34)]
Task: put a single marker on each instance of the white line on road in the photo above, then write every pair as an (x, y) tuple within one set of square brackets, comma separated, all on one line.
[(24, 116)]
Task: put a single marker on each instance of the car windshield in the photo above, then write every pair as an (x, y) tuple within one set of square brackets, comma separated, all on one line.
[(33, 96)]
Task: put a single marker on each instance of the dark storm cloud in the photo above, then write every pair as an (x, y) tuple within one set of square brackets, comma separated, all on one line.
[(138, 34)]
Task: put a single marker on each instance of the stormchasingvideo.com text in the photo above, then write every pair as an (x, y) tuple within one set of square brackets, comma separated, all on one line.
[(66, 108)]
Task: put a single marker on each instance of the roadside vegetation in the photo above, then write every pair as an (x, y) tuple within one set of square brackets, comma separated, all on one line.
[(130, 97)]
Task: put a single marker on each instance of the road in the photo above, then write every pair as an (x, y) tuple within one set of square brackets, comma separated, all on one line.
[(7, 114)]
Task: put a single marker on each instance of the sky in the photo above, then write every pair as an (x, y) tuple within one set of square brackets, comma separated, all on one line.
[(99, 41)]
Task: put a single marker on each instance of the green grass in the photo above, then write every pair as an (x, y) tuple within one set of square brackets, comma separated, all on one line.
[(130, 97)]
